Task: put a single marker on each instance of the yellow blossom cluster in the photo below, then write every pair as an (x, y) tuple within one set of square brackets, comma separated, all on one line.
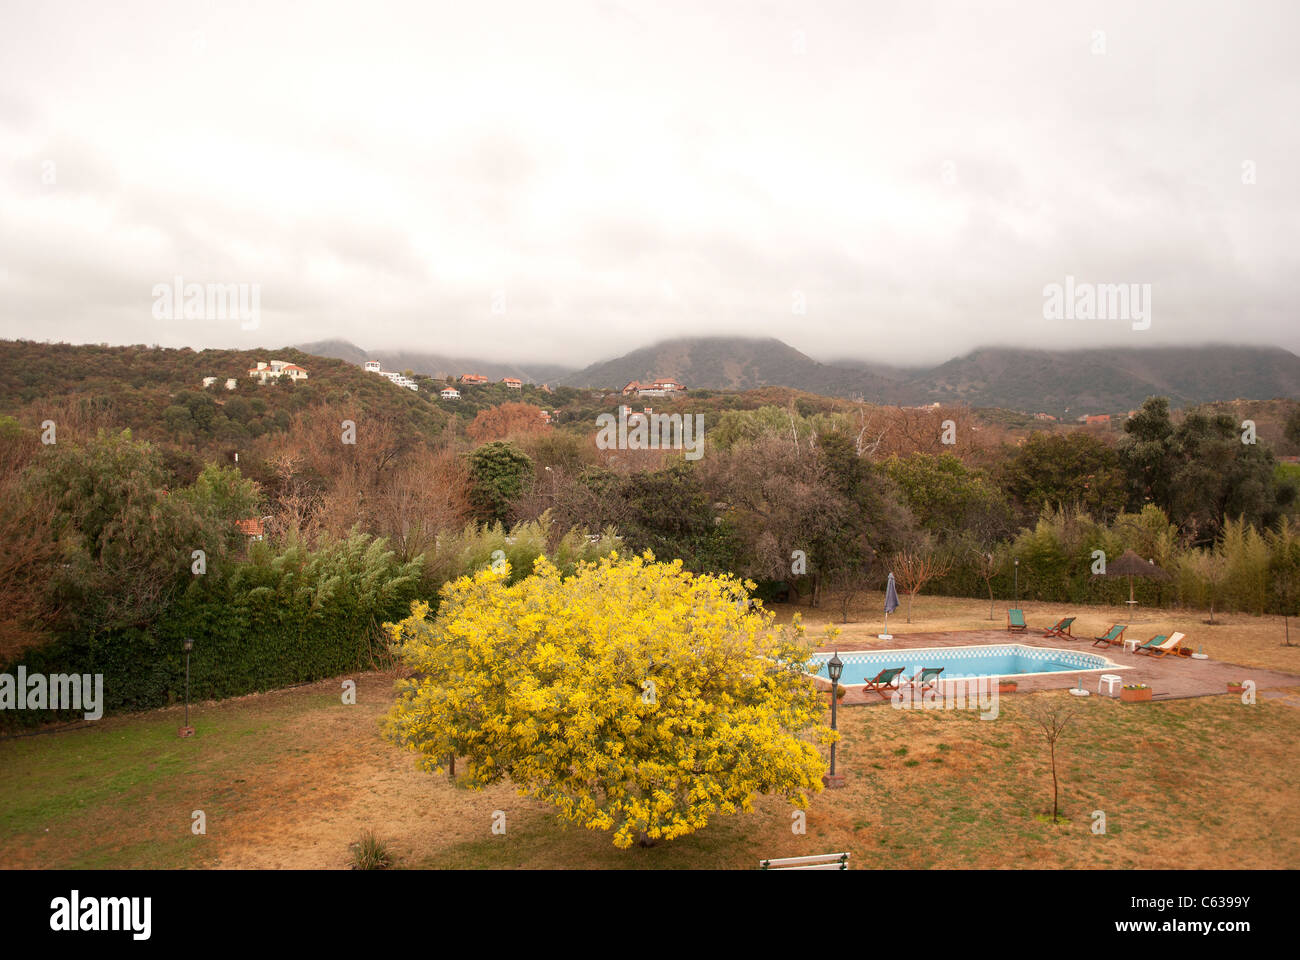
[(633, 695)]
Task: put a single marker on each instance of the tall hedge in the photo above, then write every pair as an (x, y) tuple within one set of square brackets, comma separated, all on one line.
[(281, 618)]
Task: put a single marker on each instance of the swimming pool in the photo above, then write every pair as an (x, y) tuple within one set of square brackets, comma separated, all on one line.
[(995, 660)]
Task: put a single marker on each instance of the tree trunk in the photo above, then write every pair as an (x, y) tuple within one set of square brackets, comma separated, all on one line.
[(1054, 785), (909, 608), (990, 585)]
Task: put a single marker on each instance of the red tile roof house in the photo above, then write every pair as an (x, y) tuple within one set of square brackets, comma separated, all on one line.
[(513, 383), (658, 388), (473, 378), (251, 528)]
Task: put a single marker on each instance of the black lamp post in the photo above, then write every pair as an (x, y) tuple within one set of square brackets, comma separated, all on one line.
[(187, 646), (1017, 579), (834, 667)]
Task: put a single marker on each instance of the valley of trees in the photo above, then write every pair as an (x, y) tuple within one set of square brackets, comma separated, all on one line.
[(311, 540)]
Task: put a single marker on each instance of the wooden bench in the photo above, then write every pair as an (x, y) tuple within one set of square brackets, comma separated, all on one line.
[(824, 861)]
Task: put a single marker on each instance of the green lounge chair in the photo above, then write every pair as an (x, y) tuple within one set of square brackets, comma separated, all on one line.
[(1165, 647), (927, 678), (1016, 621), (1062, 629), (884, 683), (1114, 636), (1155, 641)]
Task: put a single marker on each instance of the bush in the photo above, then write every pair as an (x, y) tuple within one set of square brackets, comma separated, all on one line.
[(370, 853)]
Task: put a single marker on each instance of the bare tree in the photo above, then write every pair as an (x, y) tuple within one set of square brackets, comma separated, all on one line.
[(1051, 714), (916, 567), (848, 582), (987, 566)]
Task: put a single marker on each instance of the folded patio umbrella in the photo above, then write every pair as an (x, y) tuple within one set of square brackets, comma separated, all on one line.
[(891, 603)]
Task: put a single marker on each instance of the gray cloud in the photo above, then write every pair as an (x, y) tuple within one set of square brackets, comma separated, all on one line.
[(624, 172)]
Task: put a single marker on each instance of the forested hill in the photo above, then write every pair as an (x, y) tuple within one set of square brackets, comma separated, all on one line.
[(158, 392)]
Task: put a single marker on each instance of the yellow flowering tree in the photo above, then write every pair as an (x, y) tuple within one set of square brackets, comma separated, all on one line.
[(634, 696)]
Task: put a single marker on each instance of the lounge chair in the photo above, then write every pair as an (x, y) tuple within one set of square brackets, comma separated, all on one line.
[(1155, 641), (1114, 636), (1016, 621), (1062, 629), (1166, 646), (927, 678), (884, 683)]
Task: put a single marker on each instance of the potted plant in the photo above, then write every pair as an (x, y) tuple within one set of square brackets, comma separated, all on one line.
[(1006, 686), (1237, 686), (1135, 693)]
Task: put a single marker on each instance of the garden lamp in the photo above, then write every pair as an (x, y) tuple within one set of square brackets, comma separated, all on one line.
[(187, 645), (835, 668)]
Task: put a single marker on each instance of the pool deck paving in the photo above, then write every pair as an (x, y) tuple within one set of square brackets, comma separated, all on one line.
[(1170, 678)]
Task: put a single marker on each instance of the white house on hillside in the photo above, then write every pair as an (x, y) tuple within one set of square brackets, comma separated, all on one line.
[(275, 369), (373, 366), (450, 393)]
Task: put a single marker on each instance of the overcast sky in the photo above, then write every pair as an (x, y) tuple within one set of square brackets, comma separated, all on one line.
[(566, 181)]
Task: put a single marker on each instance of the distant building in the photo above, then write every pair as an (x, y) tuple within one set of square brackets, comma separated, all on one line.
[(514, 383), (231, 383), (374, 366), (473, 378), (275, 369), (450, 393), (400, 379), (1094, 419), (655, 388), (251, 528), (1043, 416)]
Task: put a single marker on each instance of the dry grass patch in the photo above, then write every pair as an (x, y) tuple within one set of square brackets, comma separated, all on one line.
[(291, 779)]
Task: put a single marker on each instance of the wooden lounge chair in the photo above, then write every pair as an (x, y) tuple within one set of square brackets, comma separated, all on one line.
[(885, 682), (1114, 636), (1062, 628), (1016, 621), (1155, 641), (1170, 645), (927, 678)]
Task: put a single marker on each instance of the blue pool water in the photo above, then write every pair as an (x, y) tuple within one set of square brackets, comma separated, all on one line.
[(1000, 660)]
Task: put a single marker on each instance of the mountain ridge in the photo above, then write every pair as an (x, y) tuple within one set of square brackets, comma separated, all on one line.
[(1057, 382)]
